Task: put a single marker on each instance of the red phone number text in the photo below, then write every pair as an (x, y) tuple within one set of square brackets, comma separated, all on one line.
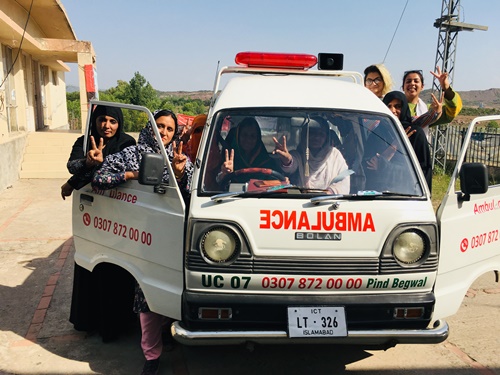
[(121, 230), (310, 283), (483, 239)]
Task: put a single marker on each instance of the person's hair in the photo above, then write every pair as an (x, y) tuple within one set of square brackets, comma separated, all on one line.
[(384, 73), (419, 72), (167, 112)]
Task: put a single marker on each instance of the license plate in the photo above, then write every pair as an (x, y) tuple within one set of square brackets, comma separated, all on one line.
[(317, 321)]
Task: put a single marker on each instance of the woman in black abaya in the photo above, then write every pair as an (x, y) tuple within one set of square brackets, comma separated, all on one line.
[(93, 306)]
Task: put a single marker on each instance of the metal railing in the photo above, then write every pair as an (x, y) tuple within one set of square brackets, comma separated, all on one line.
[(483, 148)]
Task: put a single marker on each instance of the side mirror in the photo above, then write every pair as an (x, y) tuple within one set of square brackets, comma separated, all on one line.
[(473, 180), (151, 169)]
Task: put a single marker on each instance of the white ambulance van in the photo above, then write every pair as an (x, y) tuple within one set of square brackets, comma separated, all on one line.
[(265, 254)]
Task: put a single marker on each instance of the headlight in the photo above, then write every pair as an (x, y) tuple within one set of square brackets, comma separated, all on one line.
[(220, 244), (409, 247)]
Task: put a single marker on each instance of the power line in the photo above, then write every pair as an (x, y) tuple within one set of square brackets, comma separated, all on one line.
[(395, 31), (20, 45)]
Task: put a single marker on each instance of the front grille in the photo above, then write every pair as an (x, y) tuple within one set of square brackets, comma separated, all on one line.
[(390, 265), (304, 266)]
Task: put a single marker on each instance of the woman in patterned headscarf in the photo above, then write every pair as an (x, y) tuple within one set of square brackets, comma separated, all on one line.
[(124, 166)]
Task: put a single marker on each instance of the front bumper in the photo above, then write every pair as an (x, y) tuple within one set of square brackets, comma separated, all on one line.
[(389, 337), (263, 319)]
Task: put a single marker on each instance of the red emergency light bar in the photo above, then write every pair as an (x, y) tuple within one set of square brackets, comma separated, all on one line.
[(276, 60)]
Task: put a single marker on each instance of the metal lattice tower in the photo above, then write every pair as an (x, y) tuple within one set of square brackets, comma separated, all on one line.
[(448, 25)]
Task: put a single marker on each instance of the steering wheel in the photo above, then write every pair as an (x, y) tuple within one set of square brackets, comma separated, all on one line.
[(253, 172)]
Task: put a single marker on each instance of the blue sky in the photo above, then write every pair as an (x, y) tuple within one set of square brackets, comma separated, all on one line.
[(176, 45)]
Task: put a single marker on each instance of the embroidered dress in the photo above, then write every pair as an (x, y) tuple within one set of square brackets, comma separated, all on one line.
[(112, 171), (451, 109)]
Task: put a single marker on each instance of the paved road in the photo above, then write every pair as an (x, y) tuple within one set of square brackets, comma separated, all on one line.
[(36, 265)]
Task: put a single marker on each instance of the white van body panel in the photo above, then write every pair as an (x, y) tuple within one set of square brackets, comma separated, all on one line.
[(470, 239), (139, 230)]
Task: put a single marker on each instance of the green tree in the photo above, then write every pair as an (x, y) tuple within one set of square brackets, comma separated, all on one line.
[(140, 92), (119, 93), (74, 112), (137, 91)]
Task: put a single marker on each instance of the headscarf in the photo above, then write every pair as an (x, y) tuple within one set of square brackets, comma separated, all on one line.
[(418, 139), (326, 163), (81, 174), (405, 116), (258, 157), (194, 141), (113, 144), (147, 141), (130, 159), (314, 162)]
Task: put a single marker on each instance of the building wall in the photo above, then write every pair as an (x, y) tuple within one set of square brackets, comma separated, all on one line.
[(4, 128), (11, 153), (33, 57), (56, 90), (17, 120)]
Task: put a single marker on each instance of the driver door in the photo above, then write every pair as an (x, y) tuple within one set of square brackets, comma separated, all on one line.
[(138, 228)]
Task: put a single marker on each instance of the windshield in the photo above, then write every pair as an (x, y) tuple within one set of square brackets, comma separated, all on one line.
[(306, 152)]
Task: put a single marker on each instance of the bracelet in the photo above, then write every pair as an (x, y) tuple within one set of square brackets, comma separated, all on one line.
[(287, 165)]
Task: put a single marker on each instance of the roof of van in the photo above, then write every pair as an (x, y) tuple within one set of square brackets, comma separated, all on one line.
[(297, 91)]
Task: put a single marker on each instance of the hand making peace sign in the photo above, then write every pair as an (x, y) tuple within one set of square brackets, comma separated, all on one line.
[(228, 165), (282, 151), (95, 156), (179, 160), (437, 105)]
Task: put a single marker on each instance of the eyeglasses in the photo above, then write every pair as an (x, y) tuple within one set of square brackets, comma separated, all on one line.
[(413, 71), (375, 81)]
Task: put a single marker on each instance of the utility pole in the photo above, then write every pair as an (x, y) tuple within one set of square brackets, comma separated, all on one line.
[(448, 25)]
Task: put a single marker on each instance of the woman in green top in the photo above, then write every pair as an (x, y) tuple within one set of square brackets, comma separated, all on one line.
[(413, 84)]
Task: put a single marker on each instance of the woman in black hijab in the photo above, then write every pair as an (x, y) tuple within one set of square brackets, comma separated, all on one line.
[(100, 297), (398, 104), (106, 137)]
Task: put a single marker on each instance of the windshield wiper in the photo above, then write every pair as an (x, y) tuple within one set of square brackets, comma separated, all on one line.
[(330, 197), (363, 194), (398, 194), (269, 190)]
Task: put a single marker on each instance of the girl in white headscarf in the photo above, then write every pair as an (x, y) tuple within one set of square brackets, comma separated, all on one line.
[(318, 163)]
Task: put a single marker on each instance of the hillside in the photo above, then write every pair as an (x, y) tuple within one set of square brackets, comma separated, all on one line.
[(202, 94), (475, 98)]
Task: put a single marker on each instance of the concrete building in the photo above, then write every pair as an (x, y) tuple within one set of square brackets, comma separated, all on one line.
[(36, 43)]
